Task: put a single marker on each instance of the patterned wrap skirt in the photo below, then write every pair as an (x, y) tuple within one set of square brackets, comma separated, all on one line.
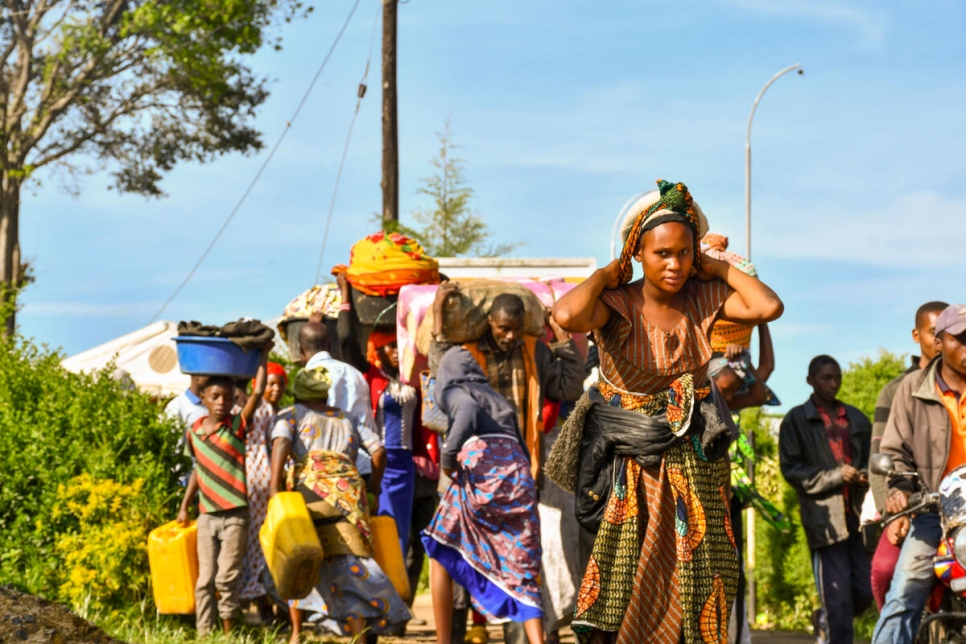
[(486, 530), (351, 585), (664, 565)]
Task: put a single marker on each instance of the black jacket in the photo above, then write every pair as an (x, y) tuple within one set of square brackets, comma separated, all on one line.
[(809, 467)]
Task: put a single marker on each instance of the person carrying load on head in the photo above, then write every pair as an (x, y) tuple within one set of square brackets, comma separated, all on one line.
[(486, 532), (645, 450), (216, 443), (526, 372)]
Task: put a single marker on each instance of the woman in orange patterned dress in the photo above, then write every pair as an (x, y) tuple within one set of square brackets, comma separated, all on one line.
[(662, 565)]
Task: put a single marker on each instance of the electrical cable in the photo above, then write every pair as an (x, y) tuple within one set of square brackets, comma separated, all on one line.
[(345, 151), (278, 143)]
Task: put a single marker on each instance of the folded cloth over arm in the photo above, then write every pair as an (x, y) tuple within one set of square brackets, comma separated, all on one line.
[(246, 333), (601, 435)]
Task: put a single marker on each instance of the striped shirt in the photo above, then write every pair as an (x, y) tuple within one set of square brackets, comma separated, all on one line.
[(640, 358), (220, 464)]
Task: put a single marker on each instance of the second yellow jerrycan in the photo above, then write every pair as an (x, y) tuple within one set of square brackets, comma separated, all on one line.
[(292, 550), (389, 556), (173, 558)]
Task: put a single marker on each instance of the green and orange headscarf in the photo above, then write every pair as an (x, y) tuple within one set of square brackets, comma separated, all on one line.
[(670, 202)]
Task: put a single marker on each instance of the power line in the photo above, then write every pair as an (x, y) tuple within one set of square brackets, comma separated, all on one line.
[(268, 159), (345, 150)]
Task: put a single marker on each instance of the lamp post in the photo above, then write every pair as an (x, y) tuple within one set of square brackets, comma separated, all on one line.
[(750, 541), (751, 117)]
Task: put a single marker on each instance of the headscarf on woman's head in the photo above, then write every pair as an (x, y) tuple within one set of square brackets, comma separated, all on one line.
[(670, 202), (274, 369), (377, 340), (312, 384)]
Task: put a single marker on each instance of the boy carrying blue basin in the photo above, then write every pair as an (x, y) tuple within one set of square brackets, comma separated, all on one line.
[(216, 444)]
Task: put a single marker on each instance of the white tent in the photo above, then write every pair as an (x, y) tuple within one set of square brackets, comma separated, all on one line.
[(148, 355)]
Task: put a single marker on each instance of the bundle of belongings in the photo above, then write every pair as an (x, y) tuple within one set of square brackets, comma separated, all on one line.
[(321, 298), (725, 333), (246, 333), (382, 263), (466, 310)]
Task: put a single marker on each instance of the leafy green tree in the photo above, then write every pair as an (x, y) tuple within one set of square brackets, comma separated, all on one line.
[(863, 380), (134, 85), (451, 228)]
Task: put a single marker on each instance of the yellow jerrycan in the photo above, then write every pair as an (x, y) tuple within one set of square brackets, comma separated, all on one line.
[(387, 553), (173, 558), (292, 550)]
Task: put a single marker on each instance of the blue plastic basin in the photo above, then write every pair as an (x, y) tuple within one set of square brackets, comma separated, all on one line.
[(201, 356)]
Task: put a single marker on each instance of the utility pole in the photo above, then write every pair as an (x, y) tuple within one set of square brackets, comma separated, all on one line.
[(390, 123)]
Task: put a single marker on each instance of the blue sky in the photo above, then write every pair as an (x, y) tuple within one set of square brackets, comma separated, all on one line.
[(563, 110)]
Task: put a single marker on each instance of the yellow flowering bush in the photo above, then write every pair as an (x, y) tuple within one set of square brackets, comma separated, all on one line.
[(88, 469), (105, 558)]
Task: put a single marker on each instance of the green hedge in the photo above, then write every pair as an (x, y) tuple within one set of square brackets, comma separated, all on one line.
[(87, 472)]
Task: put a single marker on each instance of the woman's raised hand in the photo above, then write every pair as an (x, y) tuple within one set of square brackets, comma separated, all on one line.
[(711, 268), (612, 272)]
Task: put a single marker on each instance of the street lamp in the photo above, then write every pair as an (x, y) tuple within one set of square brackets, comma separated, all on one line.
[(751, 117), (750, 540)]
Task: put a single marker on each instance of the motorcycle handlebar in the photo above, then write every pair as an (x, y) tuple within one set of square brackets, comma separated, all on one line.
[(917, 503)]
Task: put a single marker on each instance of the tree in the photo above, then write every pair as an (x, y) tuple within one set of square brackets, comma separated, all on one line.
[(863, 380), (451, 228), (135, 84)]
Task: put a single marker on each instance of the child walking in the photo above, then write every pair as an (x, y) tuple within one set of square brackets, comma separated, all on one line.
[(216, 444)]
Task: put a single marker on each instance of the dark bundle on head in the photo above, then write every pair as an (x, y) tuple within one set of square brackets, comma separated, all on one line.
[(821, 361), (221, 381), (509, 305), (926, 309)]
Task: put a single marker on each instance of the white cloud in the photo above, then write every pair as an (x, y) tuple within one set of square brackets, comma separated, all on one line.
[(868, 23), (922, 228)]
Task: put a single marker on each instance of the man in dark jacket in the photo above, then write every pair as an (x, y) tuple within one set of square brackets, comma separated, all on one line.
[(926, 433), (823, 447)]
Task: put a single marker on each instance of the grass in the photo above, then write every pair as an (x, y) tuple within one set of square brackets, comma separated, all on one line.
[(171, 629)]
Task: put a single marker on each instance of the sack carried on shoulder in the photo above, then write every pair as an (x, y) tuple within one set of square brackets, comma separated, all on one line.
[(433, 417)]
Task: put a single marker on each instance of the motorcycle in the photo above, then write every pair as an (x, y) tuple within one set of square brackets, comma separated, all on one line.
[(945, 618)]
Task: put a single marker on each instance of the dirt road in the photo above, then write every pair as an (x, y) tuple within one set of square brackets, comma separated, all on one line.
[(423, 608)]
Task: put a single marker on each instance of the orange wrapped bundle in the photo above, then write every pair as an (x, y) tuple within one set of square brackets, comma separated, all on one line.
[(382, 263), (724, 333)]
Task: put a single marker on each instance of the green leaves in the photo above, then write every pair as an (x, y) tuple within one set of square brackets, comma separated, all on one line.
[(863, 380), (137, 85), (59, 433)]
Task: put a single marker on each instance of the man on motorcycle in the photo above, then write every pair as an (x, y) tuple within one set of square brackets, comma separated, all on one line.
[(823, 448), (926, 433)]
